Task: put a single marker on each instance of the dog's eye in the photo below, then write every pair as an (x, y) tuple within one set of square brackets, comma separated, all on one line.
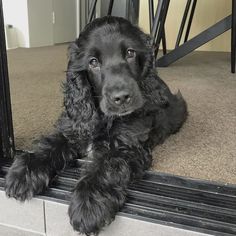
[(130, 53), (94, 62)]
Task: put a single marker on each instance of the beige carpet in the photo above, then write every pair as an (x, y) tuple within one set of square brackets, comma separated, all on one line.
[(35, 81), (205, 147)]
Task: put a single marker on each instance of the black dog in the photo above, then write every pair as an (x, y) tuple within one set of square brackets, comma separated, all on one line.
[(116, 110)]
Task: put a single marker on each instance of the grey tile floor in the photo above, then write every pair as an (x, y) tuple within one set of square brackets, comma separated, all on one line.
[(13, 231), (47, 218)]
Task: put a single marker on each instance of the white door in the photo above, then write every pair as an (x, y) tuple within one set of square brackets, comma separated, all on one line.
[(64, 21)]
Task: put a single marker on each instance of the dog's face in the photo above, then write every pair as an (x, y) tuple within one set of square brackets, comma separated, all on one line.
[(114, 56)]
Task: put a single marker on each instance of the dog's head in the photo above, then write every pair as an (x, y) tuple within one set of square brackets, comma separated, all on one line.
[(113, 56)]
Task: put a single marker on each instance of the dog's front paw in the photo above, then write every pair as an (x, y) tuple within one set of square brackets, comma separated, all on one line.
[(23, 181), (93, 207)]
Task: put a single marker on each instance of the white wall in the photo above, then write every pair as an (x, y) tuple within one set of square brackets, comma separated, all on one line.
[(16, 14), (32, 22), (40, 23), (64, 27)]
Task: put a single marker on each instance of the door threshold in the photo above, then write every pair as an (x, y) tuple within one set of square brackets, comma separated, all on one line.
[(159, 198)]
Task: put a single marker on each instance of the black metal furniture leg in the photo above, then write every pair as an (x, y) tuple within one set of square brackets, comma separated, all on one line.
[(157, 20), (162, 24), (163, 39), (92, 10), (110, 7), (233, 36), (190, 20), (155, 26), (151, 18), (202, 38), (151, 14), (182, 25)]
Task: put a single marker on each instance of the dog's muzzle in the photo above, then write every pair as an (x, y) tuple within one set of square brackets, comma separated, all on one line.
[(121, 97)]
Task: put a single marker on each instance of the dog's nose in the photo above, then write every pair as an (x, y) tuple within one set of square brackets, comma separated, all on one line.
[(121, 97)]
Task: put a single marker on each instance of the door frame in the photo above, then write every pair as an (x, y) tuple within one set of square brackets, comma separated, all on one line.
[(7, 144)]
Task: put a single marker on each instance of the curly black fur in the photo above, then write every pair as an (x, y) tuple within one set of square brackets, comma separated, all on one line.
[(118, 139)]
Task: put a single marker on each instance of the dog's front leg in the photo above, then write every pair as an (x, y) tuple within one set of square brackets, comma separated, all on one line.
[(30, 172), (101, 191)]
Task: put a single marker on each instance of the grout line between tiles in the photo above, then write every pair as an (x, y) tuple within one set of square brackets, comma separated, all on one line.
[(44, 216)]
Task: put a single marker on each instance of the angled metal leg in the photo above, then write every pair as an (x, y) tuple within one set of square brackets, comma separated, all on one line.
[(151, 19), (233, 36), (182, 25), (157, 20), (202, 38), (161, 26), (151, 14), (163, 39), (155, 26), (190, 20), (92, 10), (110, 7)]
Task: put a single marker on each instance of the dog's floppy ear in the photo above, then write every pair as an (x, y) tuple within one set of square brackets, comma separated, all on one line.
[(75, 58), (149, 54), (78, 100)]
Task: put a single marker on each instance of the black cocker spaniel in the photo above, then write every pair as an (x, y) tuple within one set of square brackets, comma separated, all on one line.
[(116, 111)]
